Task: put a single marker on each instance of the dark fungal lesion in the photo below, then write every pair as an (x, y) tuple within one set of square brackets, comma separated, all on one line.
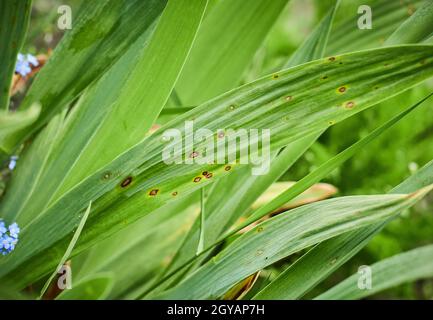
[(342, 89), (153, 192), (125, 183)]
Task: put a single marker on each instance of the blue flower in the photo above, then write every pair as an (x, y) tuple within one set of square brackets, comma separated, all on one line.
[(8, 237), (32, 60), (23, 68), (14, 230), (25, 63), (13, 162), (3, 228)]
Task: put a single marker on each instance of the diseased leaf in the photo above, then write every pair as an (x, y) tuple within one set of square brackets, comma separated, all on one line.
[(283, 235), (264, 103), (327, 256)]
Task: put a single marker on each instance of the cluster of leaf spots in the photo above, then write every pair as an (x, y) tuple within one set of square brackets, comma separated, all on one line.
[(207, 174)]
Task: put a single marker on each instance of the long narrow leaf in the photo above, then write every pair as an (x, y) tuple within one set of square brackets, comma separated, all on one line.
[(405, 267), (14, 21), (286, 234)]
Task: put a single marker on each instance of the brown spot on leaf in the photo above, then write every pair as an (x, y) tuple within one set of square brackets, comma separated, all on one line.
[(154, 192), (195, 154), (227, 168), (197, 179), (350, 105), (126, 182)]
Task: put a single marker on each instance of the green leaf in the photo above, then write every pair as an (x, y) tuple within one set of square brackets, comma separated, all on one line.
[(415, 29), (326, 257), (315, 45), (405, 267), (226, 43), (142, 250), (68, 250), (35, 159), (96, 287), (261, 104), (14, 21), (94, 136), (12, 122), (386, 17), (302, 185), (102, 31), (325, 168), (286, 234), (242, 188)]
